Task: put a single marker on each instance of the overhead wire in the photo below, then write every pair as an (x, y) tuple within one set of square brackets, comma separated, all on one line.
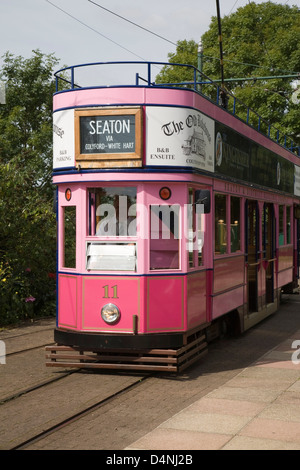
[(133, 23), (94, 30), (233, 7), (139, 26), (168, 40)]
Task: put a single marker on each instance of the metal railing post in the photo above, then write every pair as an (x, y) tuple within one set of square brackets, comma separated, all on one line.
[(149, 73), (72, 78)]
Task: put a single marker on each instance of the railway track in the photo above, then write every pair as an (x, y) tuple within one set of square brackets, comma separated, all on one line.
[(29, 336), (27, 427), (25, 339), (26, 384), (50, 409), (77, 416), (34, 387)]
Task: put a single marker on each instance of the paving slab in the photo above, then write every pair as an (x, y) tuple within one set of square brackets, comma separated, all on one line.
[(175, 439), (252, 443)]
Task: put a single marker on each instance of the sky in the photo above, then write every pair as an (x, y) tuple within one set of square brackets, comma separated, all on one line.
[(79, 31)]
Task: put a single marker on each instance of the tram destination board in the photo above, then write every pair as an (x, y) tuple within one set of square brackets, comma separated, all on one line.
[(105, 133)]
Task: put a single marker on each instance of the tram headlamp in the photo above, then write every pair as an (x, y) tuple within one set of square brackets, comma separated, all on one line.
[(165, 193), (110, 313)]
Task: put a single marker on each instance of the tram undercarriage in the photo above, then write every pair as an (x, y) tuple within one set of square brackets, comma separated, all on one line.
[(172, 359)]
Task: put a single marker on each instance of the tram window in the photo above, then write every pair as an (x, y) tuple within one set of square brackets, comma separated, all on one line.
[(281, 225), (288, 225), (164, 237), (195, 233), (265, 233), (112, 211), (235, 224), (200, 237), (220, 224), (69, 250), (191, 229)]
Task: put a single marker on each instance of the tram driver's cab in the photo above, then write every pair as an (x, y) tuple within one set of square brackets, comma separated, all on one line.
[(124, 221)]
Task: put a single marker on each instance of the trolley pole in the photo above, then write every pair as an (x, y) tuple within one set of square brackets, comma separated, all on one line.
[(220, 41), (223, 91)]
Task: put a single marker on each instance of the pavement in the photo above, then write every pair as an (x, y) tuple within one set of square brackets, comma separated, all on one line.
[(259, 409)]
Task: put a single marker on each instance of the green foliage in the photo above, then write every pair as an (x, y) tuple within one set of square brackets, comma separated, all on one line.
[(28, 225), (258, 40), (186, 53)]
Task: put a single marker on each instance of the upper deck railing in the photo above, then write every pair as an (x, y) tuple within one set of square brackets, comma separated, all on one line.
[(196, 81)]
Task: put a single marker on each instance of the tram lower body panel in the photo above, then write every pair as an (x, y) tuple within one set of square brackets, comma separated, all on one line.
[(161, 324), (162, 306)]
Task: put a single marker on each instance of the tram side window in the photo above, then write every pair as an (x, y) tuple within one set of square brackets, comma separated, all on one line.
[(288, 225), (220, 224), (235, 224), (266, 222), (69, 237), (112, 211), (281, 225), (164, 237), (195, 233)]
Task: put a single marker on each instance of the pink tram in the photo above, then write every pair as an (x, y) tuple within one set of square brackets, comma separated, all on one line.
[(176, 219)]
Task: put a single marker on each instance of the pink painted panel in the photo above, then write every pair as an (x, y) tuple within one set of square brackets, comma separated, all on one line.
[(285, 277), (170, 97), (109, 177), (178, 191), (223, 303), (285, 258), (261, 279), (98, 96), (164, 254), (228, 272), (165, 303), (68, 301), (196, 299), (122, 96), (98, 291)]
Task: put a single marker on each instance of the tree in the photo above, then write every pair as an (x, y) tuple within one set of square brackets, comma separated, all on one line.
[(258, 40), (186, 53), (28, 226)]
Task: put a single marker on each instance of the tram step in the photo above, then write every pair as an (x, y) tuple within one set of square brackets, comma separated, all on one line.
[(170, 360)]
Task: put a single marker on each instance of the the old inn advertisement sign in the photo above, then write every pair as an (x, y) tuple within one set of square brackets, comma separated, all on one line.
[(179, 137), (63, 139)]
